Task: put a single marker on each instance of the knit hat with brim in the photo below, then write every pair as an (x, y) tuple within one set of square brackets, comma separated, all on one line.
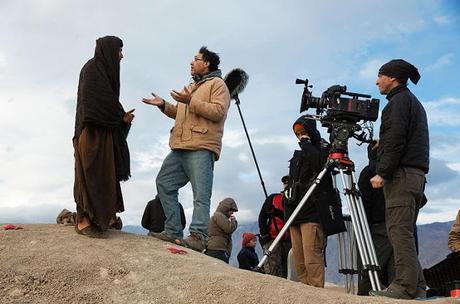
[(247, 237)]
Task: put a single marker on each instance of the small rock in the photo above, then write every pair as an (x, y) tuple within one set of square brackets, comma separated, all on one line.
[(103, 272), (16, 292)]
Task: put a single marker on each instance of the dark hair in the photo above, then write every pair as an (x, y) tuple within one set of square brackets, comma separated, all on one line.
[(211, 57)]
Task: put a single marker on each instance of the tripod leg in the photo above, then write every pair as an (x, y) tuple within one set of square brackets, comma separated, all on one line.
[(354, 261), (342, 256), (351, 248), (291, 218), (359, 233), (367, 233)]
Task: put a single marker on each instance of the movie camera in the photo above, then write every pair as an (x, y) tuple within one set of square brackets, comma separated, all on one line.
[(340, 111), (339, 103)]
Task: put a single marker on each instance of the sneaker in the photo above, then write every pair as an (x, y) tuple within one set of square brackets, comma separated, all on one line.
[(389, 293), (421, 294), (195, 242), (167, 238)]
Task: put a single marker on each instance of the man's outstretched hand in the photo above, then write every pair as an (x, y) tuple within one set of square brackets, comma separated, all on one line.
[(183, 97), (155, 101)]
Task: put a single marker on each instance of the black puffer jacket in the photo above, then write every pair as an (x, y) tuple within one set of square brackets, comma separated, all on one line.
[(404, 138), (373, 199)]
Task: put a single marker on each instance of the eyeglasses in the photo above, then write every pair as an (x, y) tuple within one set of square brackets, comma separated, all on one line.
[(198, 59)]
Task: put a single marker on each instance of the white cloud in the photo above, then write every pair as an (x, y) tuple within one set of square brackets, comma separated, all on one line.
[(443, 112), (445, 148), (369, 70), (154, 156), (439, 210), (454, 166), (49, 41), (233, 139), (442, 61), (2, 60), (443, 19), (243, 157), (36, 153)]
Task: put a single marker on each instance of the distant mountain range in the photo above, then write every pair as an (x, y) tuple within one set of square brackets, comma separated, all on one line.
[(432, 245)]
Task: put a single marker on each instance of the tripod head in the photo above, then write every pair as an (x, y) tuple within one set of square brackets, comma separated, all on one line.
[(340, 131)]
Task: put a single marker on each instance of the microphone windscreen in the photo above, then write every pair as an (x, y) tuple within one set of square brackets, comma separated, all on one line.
[(236, 80)]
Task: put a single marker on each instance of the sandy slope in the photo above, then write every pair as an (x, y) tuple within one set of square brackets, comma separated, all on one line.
[(52, 264)]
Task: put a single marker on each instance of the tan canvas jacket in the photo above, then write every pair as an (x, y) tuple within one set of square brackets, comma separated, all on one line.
[(200, 124)]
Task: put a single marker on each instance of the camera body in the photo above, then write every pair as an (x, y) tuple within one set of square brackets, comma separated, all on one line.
[(340, 104), (343, 110)]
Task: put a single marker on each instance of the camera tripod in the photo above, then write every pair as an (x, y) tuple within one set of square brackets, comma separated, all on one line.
[(348, 257), (338, 163)]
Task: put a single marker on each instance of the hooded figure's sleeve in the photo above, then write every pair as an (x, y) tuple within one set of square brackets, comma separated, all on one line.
[(227, 225), (454, 235)]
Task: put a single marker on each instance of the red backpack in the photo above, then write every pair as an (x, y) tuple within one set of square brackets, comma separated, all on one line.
[(276, 222)]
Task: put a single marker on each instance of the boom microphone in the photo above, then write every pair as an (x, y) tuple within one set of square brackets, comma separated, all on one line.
[(236, 80)]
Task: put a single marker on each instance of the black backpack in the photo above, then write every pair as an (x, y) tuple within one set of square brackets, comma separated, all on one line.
[(154, 217)]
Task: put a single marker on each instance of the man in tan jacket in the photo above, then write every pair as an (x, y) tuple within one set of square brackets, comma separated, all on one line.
[(454, 235), (196, 142)]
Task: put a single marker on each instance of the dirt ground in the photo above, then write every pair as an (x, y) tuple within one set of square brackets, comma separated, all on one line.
[(53, 264)]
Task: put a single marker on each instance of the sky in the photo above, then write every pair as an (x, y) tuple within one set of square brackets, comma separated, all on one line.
[(46, 42)]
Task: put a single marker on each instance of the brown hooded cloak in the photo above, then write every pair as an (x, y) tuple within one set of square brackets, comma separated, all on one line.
[(101, 150)]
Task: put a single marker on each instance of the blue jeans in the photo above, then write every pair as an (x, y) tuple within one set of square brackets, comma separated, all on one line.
[(179, 168)]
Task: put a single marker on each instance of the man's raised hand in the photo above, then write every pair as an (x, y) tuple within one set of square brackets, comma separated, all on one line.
[(184, 97), (155, 101)]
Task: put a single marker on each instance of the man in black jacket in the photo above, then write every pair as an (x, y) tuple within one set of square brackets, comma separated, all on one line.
[(374, 205), (403, 161)]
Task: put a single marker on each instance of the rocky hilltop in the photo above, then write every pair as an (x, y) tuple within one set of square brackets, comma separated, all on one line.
[(53, 264)]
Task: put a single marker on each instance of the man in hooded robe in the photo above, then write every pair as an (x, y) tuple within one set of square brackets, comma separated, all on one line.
[(101, 151), (402, 162)]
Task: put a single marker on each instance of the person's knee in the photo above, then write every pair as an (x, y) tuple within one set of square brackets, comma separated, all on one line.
[(315, 258), (401, 232), (160, 181)]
